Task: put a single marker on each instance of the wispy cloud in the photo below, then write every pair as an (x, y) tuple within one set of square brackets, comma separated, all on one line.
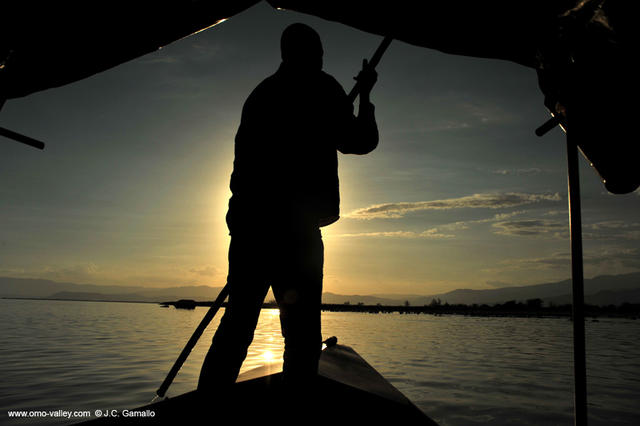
[(531, 228), (199, 51), (612, 224), (555, 213), (559, 260), (455, 226), (486, 201), (81, 272), (157, 58), (518, 172), (438, 232), (206, 271), (486, 113), (431, 234), (612, 230), (611, 257)]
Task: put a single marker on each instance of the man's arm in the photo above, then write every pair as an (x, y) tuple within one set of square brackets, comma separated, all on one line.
[(362, 131)]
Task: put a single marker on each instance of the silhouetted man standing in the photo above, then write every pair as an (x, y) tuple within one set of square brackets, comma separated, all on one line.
[(285, 187)]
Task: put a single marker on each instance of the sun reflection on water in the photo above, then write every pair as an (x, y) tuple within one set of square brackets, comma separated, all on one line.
[(268, 345), (268, 356)]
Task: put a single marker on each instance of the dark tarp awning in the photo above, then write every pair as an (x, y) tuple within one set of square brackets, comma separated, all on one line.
[(582, 50), (502, 29), (46, 44)]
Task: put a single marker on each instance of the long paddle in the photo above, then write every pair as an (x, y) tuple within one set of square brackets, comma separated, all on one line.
[(162, 390), (373, 62)]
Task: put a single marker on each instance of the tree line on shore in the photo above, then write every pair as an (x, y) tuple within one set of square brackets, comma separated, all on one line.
[(530, 307)]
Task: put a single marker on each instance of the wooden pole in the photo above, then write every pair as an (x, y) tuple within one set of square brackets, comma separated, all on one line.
[(162, 390), (373, 62)]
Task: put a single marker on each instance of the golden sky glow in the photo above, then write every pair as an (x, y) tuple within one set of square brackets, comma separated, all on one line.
[(133, 186)]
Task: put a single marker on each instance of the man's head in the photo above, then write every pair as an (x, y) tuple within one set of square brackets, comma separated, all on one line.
[(301, 47)]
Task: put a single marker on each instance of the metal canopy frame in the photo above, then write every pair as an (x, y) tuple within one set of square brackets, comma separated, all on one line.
[(577, 271), (17, 136), (577, 278)]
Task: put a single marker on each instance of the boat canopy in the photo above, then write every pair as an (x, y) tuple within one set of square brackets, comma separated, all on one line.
[(582, 50)]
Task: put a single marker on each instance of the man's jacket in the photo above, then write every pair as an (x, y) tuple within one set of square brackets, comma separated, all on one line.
[(285, 170)]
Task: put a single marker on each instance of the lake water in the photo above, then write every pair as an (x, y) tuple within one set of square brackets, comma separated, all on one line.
[(60, 355)]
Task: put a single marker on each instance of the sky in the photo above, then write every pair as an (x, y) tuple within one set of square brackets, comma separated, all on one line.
[(132, 187)]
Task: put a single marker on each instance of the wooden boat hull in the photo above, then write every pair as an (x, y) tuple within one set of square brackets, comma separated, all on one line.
[(348, 389)]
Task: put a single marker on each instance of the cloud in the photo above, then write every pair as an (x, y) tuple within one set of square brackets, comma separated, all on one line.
[(486, 201), (612, 259), (502, 216), (486, 113), (207, 271), (75, 273), (462, 225), (159, 59), (531, 228), (530, 171), (612, 230), (629, 257), (455, 226), (498, 284), (199, 51), (612, 224), (555, 261), (555, 213), (631, 235), (436, 232), (432, 234)]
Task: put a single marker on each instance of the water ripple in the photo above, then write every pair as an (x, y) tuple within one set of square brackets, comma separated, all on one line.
[(459, 370)]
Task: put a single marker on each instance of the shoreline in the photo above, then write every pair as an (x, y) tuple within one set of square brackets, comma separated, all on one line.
[(77, 300), (563, 311), (508, 309)]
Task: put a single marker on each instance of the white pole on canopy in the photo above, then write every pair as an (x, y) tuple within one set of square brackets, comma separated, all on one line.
[(577, 278), (17, 136), (577, 274)]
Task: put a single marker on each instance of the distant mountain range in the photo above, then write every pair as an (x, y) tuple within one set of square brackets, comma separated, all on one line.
[(600, 290), (37, 288)]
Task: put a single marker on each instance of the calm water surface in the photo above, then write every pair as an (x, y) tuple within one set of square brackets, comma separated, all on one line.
[(59, 355)]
